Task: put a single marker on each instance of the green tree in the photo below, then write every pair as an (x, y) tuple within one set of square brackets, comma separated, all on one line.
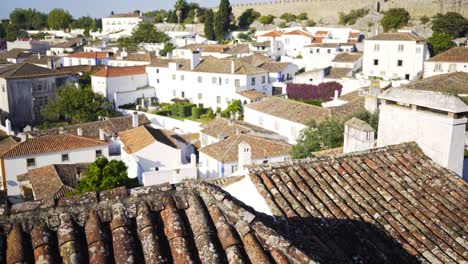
[(127, 43), (222, 21), (283, 24), (182, 6), (316, 137), (235, 106), (168, 47), (440, 42), (59, 19), (395, 18), (28, 19), (371, 118), (104, 175), (451, 23), (159, 16), (247, 18), (311, 23), (13, 32), (2, 30), (146, 32), (353, 15), (266, 20), (424, 19), (209, 25), (77, 105)]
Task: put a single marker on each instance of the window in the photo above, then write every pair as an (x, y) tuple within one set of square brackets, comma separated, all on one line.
[(200, 79), (263, 79), (265, 162), (260, 121), (65, 157), (318, 50), (218, 99), (438, 67), (277, 125), (252, 81), (182, 94), (157, 70), (3, 88), (233, 168), (407, 77), (157, 80), (213, 80), (98, 153), (401, 47), (226, 81), (286, 158), (418, 50), (328, 51), (376, 62), (31, 162), (376, 47), (200, 96), (237, 82), (311, 51), (173, 77), (182, 77), (452, 67), (400, 63)]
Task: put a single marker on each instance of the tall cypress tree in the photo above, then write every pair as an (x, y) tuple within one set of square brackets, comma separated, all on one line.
[(209, 27), (222, 20)]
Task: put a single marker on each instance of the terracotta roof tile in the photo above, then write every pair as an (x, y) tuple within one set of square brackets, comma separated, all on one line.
[(273, 33), (110, 72), (138, 138), (226, 128), (398, 36), (252, 94), (299, 33), (338, 73), (347, 57), (190, 222), (455, 82), (227, 150), (49, 144), (27, 70), (457, 54), (391, 204), (90, 55)]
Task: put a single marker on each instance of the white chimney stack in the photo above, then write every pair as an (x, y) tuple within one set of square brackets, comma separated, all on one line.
[(195, 59), (336, 95), (193, 160), (79, 131), (135, 119), (244, 155), (8, 127), (23, 137), (61, 130), (101, 134), (233, 67)]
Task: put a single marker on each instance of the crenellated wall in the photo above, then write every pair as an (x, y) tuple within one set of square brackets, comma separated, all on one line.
[(317, 9)]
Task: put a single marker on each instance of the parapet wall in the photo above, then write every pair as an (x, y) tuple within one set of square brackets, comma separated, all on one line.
[(317, 9)]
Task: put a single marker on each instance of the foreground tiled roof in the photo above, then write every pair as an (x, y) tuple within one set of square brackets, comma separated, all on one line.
[(138, 138), (50, 144), (398, 36), (304, 113), (457, 54), (252, 94), (214, 65), (347, 57), (227, 150), (455, 82), (110, 72), (16, 54), (226, 128), (187, 223), (27, 70), (6, 144), (111, 126), (376, 206)]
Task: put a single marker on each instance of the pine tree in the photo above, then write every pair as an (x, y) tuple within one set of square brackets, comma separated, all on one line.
[(222, 21), (209, 27)]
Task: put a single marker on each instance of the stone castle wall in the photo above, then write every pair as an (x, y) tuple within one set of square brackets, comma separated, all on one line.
[(317, 9)]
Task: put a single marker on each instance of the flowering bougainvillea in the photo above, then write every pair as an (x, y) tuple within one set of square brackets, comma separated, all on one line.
[(323, 91)]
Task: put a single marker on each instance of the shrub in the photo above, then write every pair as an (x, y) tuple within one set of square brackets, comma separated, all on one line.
[(184, 110), (266, 20), (162, 112), (395, 18), (451, 23), (311, 23), (302, 16), (247, 18), (288, 17), (283, 24), (174, 110), (352, 16), (196, 112), (424, 19), (323, 91), (130, 106), (208, 115), (440, 42)]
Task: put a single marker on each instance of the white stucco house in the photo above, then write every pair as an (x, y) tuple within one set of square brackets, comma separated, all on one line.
[(122, 85), (399, 55), (225, 157), (86, 58), (147, 149), (122, 22), (452, 60), (206, 80), (46, 150)]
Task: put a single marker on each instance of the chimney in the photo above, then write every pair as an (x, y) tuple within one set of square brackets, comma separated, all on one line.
[(38, 55), (221, 137), (134, 119), (79, 131), (23, 137), (169, 55), (193, 160), (60, 130), (195, 59), (50, 64), (233, 67), (358, 136), (101, 135), (336, 95), (8, 127), (244, 155)]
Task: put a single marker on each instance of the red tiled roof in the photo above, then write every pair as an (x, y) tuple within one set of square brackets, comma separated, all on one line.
[(110, 72), (299, 32), (354, 35), (187, 223), (360, 204), (273, 33), (318, 40), (321, 32), (49, 144), (140, 137), (89, 55)]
